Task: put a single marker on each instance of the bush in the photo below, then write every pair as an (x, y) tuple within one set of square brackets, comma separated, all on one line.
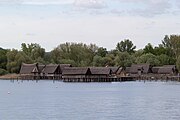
[(3, 72)]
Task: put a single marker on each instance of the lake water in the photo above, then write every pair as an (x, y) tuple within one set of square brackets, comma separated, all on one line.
[(48, 100)]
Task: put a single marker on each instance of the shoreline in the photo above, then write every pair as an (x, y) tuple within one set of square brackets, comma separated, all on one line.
[(12, 76)]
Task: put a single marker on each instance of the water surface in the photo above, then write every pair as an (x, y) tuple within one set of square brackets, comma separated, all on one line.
[(48, 100)]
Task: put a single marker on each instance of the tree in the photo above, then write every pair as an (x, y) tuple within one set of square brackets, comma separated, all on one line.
[(172, 44), (148, 49), (124, 59), (178, 63), (148, 58), (138, 53), (55, 56), (3, 71), (166, 42), (14, 60), (164, 59), (126, 46), (175, 44), (3, 58), (102, 52), (80, 53), (33, 50), (98, 61)]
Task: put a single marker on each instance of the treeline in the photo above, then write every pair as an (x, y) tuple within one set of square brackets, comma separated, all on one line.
[(79, 54)]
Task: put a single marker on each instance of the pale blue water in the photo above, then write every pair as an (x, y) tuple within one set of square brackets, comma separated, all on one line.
[(46, 100)]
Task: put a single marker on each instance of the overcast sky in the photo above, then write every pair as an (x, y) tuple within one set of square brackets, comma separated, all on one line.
[(102, 22)]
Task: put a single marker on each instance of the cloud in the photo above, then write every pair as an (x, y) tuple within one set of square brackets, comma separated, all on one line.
[(153, 9), (11, 2), (37, 2), (47, 2), (90, 4), (116, 11), (95, 4), (145, 8), (148, 7)]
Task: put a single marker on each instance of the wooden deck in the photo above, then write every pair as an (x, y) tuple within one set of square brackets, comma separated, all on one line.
[(120, 79)]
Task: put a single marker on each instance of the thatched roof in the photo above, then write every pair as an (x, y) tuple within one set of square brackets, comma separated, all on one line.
[(29, 68), (172, 66), (145, 68), (65, 65), (127, 70), (167, 69), (100, 70), (114, 70), (76, 71), (120, 70), (41, 67), (50, 69), (155, 69)]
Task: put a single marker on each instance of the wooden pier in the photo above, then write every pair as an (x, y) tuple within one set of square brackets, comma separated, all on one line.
[(108, 79)]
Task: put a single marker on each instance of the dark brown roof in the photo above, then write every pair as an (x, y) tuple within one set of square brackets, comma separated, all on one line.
[(155, 70), (41, 67), (145, 68), (127, 70), (172, 66), (62, 66), (114, 69), (28, 68), (100, 70), (76, 71), (65, 65), (167, 69), (50, 69)]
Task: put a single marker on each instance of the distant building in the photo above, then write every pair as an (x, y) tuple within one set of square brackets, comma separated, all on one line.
[(29, 71), (75, 72), (168, 70), (101, 72), (51, 71), (63, 66), (140, 69)]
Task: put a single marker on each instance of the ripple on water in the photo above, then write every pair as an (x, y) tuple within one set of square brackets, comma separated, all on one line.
[(45, 100)]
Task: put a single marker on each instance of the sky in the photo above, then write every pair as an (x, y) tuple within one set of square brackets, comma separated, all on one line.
[(101, 22)]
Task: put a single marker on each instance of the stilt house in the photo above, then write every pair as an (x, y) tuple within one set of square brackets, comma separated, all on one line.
[(51, 71), (29, 71)]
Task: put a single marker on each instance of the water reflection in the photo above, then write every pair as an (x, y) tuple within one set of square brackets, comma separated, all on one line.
[(53, 100)]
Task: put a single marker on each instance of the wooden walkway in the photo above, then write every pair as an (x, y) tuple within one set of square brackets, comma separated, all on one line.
[(120, 79)]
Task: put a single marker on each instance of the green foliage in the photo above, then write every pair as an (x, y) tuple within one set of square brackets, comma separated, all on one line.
[(47, 57), (166, 60), (102, 52), (148, 49), (81, 53), (126, 46), (98, 61), (124, 59), (138, 53), (166, 42), (15, 59), (3, 71), (175, 44), (3, 58), (160, 50), (68, 61), (33, 50), (148, 58), (178, 63)]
